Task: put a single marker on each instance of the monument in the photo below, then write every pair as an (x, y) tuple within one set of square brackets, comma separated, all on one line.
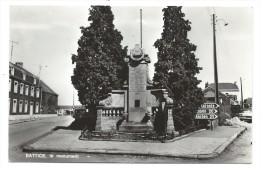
[(137, 107)]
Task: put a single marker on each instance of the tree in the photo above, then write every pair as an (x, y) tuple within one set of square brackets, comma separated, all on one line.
[(100, 65), (177, 66)]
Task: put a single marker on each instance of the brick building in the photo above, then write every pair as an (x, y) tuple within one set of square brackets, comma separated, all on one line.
[(26, 93), (49, 100)]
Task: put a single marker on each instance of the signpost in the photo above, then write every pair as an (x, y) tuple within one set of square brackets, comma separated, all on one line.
[(208, 116), (209, 105), (207, 112)]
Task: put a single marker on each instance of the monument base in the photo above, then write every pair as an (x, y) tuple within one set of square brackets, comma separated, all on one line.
[(136, 127)]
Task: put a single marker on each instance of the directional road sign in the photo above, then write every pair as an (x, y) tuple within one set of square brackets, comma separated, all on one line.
[(209, 105), (208, 116), (207, 111)]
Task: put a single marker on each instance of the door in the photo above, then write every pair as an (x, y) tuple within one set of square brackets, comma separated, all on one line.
[(31, 108), (14, 105)]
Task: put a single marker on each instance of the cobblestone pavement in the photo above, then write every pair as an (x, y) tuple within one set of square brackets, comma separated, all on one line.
[(201, 144)]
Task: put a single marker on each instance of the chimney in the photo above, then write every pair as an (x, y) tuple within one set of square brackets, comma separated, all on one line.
[(20, 64)]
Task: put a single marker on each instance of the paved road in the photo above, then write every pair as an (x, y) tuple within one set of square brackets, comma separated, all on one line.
[(238, 152), (21, 133)]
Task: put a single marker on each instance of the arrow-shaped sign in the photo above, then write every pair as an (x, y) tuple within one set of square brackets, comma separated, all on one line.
[(206, 116), (209, 105), (207, 111)]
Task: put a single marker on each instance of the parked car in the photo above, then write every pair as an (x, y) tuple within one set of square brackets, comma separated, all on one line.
[(246, 116), (80, 113)]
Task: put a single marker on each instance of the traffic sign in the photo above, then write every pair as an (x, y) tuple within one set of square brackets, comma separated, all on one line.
[(208, 116), (209, 105), (207, 111)]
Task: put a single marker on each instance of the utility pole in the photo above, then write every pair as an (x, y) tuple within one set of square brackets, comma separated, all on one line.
[(141, 28), (216, 63), (215, 66), (242, 100), (12, 48)]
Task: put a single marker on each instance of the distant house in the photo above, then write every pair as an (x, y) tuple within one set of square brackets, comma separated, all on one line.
[(225, 100), (230, 89)]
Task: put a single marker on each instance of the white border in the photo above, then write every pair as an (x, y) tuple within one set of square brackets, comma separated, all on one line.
[(194, 3)]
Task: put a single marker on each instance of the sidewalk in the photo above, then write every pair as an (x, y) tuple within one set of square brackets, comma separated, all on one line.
[(33, 118), (203, 144)]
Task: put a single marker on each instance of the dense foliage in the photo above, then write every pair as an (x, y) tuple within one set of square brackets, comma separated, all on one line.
[(100, 65), (177, 66)]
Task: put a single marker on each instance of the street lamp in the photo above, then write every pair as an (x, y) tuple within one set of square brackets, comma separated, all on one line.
[(39, 85), (225, 23)]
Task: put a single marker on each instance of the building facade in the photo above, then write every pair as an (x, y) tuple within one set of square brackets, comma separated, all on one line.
[(29, 96), (49, 100), (226, 100), (24, 91), (230, 89)]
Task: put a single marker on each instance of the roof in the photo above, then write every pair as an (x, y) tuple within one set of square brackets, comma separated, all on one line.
[(210, 92), (46, 88), (21, 68), (225, 87)]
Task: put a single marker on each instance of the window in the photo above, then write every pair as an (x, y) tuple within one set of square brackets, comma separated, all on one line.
[(37, 92), (37, 107), (20, 106), (26, 90), (137, 103), (10, 85), (25, 106), (14, 105), (15, 86), (24, 75), (32, 91), (34, 80), (12, 71), (21, 88)]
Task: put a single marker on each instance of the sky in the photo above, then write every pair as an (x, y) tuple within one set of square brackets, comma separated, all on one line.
[(48, 35)]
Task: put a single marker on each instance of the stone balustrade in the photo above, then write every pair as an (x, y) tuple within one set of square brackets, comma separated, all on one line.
[(108, 118), (112, 111)]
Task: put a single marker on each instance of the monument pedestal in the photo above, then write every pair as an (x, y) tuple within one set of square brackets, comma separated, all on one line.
[(136, 127), (170, 123)]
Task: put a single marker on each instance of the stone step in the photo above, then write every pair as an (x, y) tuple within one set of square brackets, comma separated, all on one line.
[(136, 127)]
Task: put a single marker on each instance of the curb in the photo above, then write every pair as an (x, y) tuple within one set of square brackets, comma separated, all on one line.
[(11, 122), (183, 136), (26, 147), (22, 121), (222, 147)]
